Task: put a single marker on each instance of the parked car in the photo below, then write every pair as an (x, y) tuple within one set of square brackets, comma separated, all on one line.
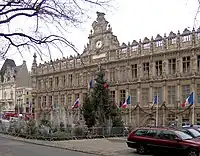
[(163, 140), (192, 132)]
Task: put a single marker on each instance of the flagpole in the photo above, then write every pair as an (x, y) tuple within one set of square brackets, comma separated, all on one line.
[(193, 109), (157, 110)]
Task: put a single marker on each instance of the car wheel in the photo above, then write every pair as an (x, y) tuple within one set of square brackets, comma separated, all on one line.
[(193, 152), (141, 149)]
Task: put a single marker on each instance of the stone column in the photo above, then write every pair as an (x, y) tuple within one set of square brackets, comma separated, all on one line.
[(151, 93), (138, 93), (193, 107), (178, 96), (164, 92), (117, 96)]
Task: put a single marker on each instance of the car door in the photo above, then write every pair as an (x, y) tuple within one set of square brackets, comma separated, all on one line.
[(168, 143)]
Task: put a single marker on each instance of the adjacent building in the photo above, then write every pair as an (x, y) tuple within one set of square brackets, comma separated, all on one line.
[(12, 77), (167, 66)]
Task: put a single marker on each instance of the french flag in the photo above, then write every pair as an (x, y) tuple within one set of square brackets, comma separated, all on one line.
[(76, 104), (126, 102), (189, 100), (90, 85)]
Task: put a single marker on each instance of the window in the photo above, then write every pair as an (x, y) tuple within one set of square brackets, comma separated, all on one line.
[(85, 78), (63, 81), (141, 132), (69, 99), (146, 69), (112, 96), (50, 83), (198, 62), (112, 74), (172, 66), (167, 135), (134, 48), (122, 96), (78, 79), (56, 99), (158, 68), (198, 93), (123, 73), (172, 95), (183, 135), (172, 41), (158, 92), (50, 100), (186, 64), (146, 46), (185, 92), (133, 93), (70, 77), (152, 133), (159, 43), (44, 101), (198, 35), (39, 84), (39, 101), (134, 71), (56, 81), (186, 38), (62, 99), (11, 94), (145, 96)]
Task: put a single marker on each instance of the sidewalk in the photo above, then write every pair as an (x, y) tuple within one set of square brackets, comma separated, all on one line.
[(105, 147)]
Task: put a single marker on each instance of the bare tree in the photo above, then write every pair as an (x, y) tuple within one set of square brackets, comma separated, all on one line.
[(52, 14)]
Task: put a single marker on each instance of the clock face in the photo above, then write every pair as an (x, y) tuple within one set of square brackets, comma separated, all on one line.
[(98, 44)]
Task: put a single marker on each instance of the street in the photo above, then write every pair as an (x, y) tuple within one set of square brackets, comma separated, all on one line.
[(16, 148)]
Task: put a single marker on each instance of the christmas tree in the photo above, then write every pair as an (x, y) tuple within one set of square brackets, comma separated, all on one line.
[(99, 107)]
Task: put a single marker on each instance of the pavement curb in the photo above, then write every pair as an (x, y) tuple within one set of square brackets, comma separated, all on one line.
[(53, 146)]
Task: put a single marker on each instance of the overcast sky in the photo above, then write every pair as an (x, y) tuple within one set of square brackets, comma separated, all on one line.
[(134, 20)]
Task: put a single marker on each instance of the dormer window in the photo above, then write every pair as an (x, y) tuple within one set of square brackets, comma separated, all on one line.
[(186, 38), (146, 45), (8, 78), (159, 43), (124, 50), (172, 41), (134, 48), (198, 35)]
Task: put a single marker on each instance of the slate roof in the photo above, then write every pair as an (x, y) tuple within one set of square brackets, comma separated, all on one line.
[(10, 63)]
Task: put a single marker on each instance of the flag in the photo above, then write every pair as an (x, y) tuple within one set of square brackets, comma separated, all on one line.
[(76, 103), (54, 107), (126, 102), (30, 104), (189, 100), (155, 100), (90, 85)]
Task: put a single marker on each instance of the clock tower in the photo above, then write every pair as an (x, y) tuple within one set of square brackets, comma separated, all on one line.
[(101, 38)]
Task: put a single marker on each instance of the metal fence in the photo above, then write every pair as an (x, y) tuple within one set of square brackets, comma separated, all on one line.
[(69, 133)]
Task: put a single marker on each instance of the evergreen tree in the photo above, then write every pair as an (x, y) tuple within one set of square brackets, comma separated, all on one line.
[(88, 112), (99, 106)]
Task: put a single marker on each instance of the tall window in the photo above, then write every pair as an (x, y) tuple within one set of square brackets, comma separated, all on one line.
[(63, 81), (186, 64), (56, 100), (134, 71), (112, 96), (70, 79), (44, 101), (69, 99), (172, 95), (77, 79), (112, 74), (85, 78), (50, 83), (39, 101), (123, 73), (198, 62), (172, 66), (185, 92), (145, 96), (158, 68), (62, 99), (122, 96), (198, 93), (56, 81), (50, 100), (133, 96), (146, 69), (39, 84), (158, 92)]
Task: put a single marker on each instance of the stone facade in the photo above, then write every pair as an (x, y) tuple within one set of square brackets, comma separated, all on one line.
[(165, 66), (12, 76)]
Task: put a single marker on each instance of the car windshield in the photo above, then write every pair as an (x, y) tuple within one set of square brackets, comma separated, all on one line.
[(194, 132), (183, 135)]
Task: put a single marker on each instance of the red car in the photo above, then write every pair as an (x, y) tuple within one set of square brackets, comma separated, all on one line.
[(163, 140)]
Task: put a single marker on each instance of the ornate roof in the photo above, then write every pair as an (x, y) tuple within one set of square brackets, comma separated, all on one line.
[(186, 32), (172, 35), (146, 40)]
